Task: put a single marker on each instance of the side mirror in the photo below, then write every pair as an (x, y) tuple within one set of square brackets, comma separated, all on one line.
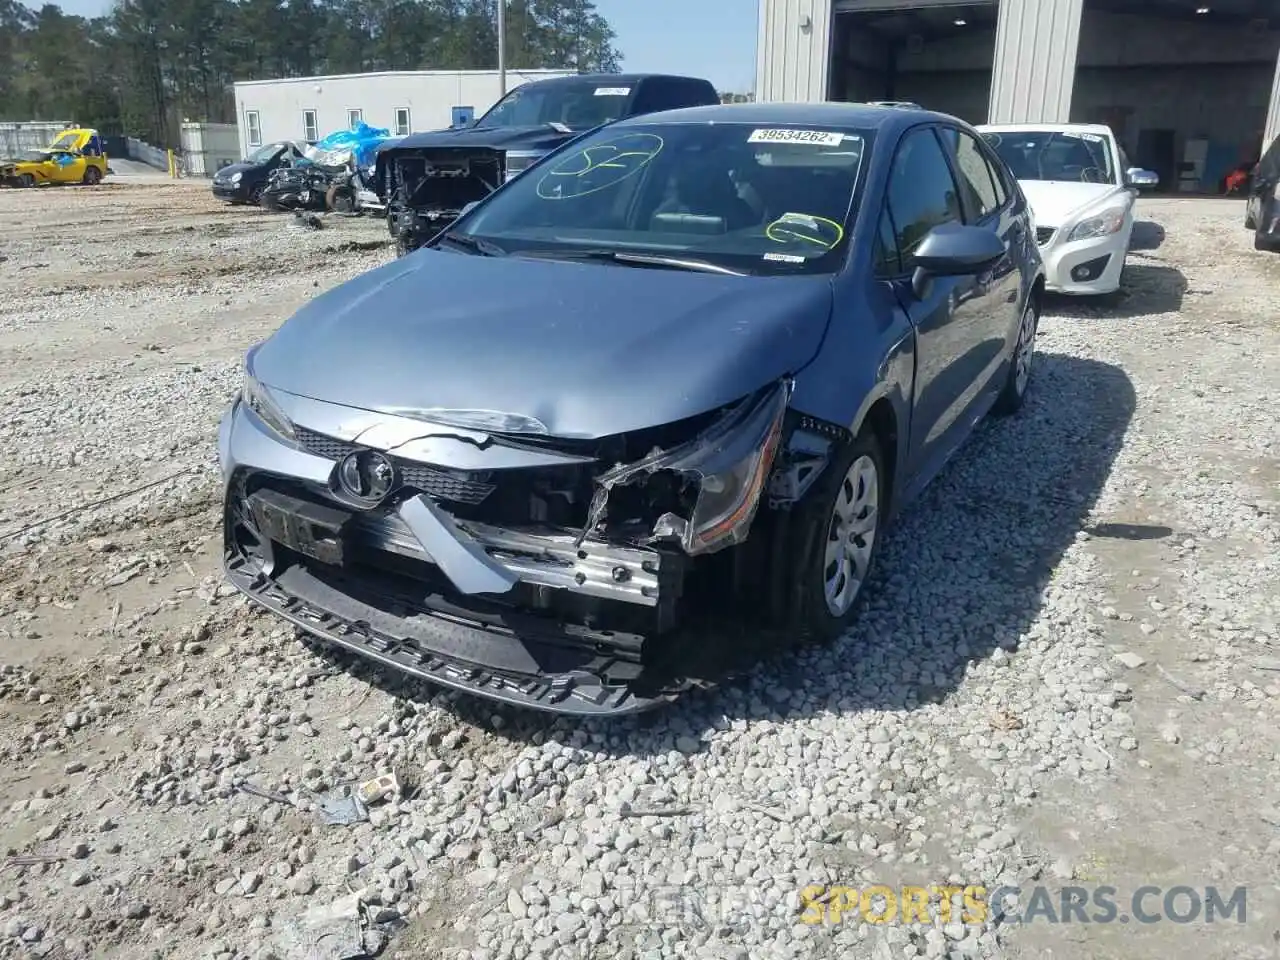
[(953, 250), (1138, 177)]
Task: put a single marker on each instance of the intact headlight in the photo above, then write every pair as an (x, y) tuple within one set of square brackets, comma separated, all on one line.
[(731, 461), (236, 177), (518, 161), (1103, 225), (258, 399)]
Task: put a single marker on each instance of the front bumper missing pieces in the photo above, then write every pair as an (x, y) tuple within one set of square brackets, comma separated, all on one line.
[(570, 619)]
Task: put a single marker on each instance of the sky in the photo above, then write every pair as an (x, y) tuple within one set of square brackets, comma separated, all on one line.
[(715, 39)]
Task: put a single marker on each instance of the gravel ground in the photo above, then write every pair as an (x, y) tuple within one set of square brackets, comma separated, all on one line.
[(1068, 674)]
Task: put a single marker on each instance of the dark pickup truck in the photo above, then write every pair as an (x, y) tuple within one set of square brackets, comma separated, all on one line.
[(426, 179)]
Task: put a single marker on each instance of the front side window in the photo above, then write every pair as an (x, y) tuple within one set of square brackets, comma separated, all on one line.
[(750, 199), (922, 192), (576, 105), (253, 128), (1062, 155)]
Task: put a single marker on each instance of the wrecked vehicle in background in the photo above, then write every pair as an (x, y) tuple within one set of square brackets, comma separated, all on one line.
[(427, 179), (685, 364), (328, 174), (75, 156)]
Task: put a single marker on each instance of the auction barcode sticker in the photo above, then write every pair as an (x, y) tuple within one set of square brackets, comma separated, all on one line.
[(819, 138)]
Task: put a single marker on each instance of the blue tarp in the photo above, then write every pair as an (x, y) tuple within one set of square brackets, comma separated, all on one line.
[(337, 149)]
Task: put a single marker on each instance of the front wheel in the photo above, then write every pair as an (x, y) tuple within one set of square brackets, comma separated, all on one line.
[(91, 176), (838, 530), (1024, 351), (27, 180)]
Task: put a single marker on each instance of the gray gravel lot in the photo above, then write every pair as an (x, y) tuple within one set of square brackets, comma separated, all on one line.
[(1069, 673)]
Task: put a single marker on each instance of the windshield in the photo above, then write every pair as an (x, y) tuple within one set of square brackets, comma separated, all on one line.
[(753, 200), (579, 106), (65, 141), (265, 153), (1055, 155), (36, 156)]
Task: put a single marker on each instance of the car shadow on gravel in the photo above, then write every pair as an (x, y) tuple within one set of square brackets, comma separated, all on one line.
[(1147, 235), (960, 575), (1148, 287)]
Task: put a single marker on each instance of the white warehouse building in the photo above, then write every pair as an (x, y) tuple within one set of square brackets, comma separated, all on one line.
[(1190, 87), (402, 101)]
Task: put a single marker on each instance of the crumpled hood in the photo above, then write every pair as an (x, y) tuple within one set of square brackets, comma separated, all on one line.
[(587, 349), (1054, 202)]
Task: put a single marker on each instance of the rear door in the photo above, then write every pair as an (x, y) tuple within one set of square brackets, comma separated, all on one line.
[(953, 318), (988, 202)]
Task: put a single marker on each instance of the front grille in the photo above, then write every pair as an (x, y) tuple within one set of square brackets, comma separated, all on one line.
[(458, 487), (1044, 235)]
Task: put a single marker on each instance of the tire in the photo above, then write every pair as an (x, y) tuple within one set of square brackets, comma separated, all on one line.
[(1250, 221), (91, 176), (255, 195), (340, 198), (1021, 363), (837, 534), (27, 180), (1265, 242)]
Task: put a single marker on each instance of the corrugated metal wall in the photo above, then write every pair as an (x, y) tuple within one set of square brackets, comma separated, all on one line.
[(1035, 61), (793, 54)]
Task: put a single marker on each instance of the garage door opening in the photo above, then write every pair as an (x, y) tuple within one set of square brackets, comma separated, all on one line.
[(1185, 84), (938, 56)]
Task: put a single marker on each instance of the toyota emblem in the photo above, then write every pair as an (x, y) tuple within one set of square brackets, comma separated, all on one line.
[(367, 476)]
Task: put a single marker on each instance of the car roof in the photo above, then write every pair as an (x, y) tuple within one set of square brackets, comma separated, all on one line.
[(1098, 128), (861, 115), (616, 79)]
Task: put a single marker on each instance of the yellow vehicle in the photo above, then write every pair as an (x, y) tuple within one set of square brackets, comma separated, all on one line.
[(75, 156)]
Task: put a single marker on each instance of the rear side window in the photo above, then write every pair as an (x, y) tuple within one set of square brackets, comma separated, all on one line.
[(979, 181), (922, 192)]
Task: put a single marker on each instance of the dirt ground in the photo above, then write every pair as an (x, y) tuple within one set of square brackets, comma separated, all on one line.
[(138, 697)]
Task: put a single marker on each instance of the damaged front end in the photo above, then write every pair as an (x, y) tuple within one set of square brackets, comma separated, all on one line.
[(545, 572), (427, 188)]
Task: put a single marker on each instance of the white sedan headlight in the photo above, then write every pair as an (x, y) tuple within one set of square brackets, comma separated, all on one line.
[(235, 177), (1104, 224)]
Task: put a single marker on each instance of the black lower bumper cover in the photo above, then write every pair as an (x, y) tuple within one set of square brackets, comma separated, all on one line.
[(508, 671)]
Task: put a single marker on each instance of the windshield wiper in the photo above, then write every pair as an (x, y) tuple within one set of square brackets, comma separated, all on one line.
[(639, 259), (481, 247)]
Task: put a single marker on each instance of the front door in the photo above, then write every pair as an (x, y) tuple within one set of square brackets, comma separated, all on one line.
[(953, 315)]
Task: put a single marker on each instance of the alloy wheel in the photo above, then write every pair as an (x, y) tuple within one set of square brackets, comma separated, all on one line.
[(851, 535)]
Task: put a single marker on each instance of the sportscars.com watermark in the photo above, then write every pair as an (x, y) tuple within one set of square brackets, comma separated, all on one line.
[(1002, 905), (739, 908)]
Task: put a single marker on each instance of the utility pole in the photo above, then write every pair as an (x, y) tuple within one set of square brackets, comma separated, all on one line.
[(502, 48)]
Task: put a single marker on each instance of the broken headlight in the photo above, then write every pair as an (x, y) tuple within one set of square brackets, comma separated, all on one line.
[(258, 399), (518, 161), (730, 461)]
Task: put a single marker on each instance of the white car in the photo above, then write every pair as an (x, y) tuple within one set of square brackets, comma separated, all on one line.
[(1081, 189)]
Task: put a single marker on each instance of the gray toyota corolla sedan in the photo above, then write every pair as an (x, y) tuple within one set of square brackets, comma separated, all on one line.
[(692, 360)]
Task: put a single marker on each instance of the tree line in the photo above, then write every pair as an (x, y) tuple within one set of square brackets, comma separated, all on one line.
[(148, 64)]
